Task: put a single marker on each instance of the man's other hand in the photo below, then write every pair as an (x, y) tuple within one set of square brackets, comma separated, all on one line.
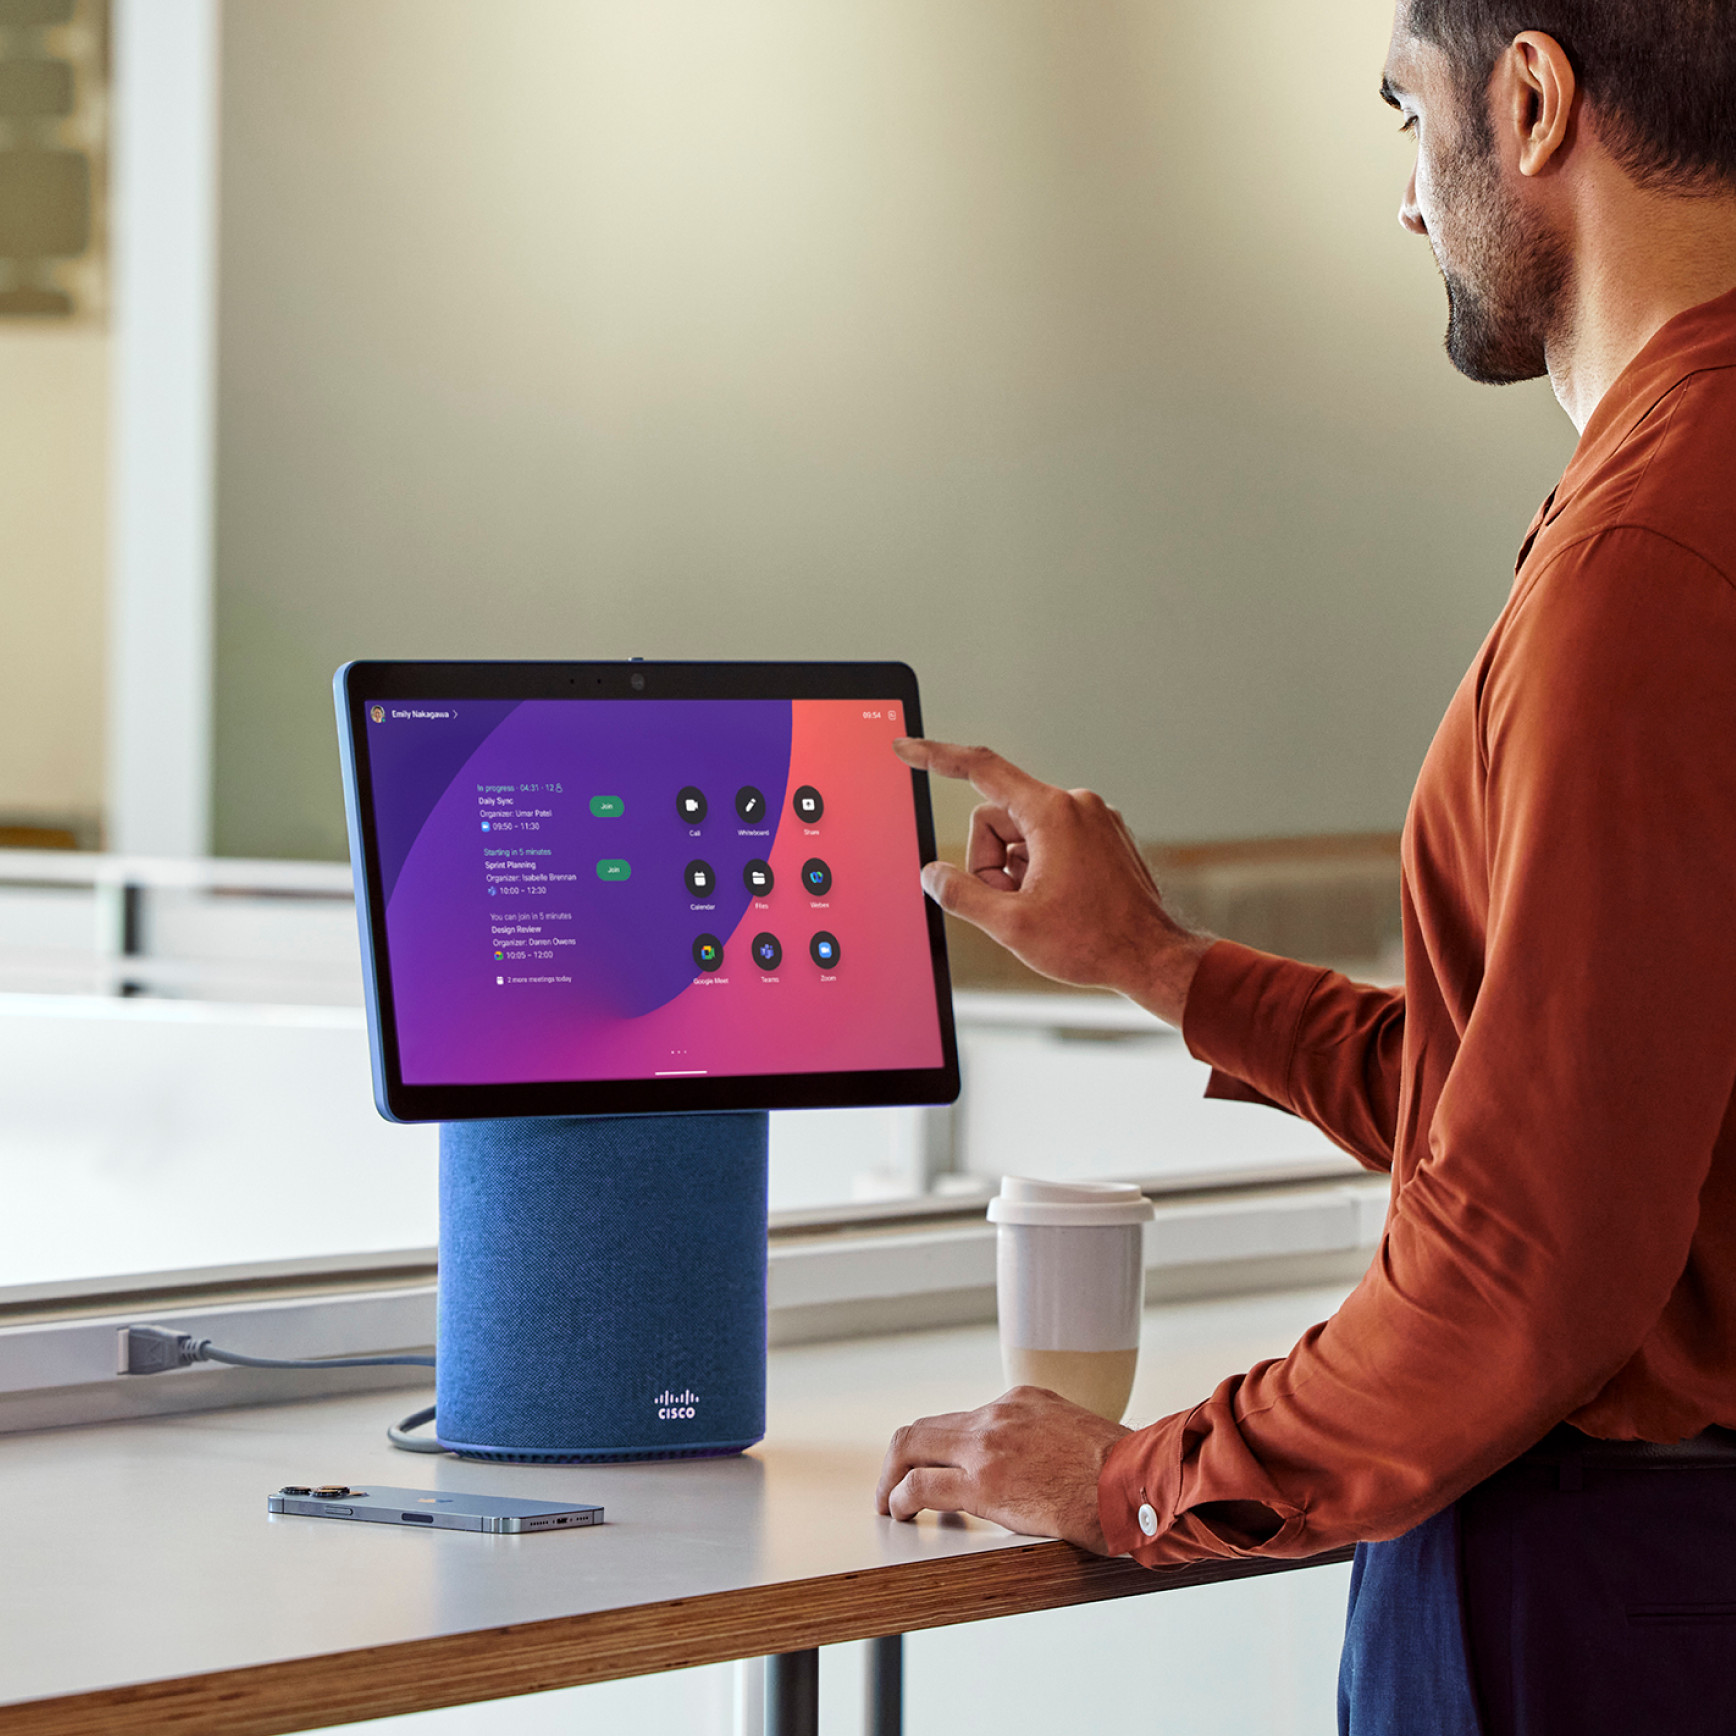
[(1030, 1461), (1056, 877)]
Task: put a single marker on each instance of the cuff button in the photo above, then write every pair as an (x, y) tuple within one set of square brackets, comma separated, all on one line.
[(1147, 1519)]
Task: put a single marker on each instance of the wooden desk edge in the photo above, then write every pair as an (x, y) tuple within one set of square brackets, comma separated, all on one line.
[(498, 1663)]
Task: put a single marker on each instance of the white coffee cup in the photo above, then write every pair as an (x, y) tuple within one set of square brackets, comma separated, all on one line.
[(1069, 1283)]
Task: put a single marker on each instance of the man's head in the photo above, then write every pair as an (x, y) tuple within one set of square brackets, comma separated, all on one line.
[(1504, 97)]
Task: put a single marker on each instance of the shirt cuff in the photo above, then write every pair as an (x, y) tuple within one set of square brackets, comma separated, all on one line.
[(1154, 1479), (1243, 1017), (1138, 1487)]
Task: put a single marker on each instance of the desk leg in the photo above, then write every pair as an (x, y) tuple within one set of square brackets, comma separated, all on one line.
[(793, 1694), (885, 1709)]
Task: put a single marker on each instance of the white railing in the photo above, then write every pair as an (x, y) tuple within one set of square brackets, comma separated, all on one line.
[(209, 929)]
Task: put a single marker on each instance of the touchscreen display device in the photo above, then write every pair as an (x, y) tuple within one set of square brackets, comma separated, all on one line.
[(602, 888)]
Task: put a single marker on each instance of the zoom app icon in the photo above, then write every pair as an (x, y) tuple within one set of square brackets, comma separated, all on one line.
[(768, 954), (816, 877), (757, 877), (708, 952), (823, 950), (701, 880)]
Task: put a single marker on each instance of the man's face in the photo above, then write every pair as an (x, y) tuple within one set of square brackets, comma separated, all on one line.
[(1505, 270)]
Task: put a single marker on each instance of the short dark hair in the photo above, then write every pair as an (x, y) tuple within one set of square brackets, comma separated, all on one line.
[(1660, 74)]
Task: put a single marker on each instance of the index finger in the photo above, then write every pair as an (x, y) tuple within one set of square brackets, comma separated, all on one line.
[(984, 769)]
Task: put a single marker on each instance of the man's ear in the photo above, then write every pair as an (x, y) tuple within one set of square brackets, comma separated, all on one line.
[(1540, 88)]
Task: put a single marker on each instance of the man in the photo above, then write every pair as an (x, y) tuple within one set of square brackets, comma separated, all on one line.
[(1553, 1088)]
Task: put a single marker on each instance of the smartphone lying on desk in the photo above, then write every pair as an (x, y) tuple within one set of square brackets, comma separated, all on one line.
[(444, 1510)]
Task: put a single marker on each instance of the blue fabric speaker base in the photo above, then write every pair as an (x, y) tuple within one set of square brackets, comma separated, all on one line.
[(602, 1288), (594, 1455)]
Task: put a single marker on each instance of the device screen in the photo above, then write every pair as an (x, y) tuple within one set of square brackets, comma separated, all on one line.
[(589, 889)]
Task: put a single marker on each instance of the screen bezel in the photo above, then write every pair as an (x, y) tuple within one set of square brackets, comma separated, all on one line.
[(357, 683)]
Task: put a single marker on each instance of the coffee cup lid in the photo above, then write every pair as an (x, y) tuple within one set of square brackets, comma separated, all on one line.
[(1068, 1204)]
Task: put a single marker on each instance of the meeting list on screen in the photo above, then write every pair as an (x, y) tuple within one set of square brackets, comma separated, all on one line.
[(656, 888)]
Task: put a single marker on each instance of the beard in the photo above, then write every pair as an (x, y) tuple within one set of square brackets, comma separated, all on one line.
[(1507, 287)]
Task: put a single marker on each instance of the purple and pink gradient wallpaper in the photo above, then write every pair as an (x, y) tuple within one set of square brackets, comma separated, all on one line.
[(550, 887)]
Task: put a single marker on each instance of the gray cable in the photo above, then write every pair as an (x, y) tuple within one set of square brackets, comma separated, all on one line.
[(157, 1349), (202, 1350), (400, 1435)]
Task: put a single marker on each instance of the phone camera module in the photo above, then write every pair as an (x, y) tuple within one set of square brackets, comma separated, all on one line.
[(636, 681)]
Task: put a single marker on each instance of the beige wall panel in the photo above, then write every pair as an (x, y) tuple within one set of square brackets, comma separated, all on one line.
[(53, 546), (1068, 350)]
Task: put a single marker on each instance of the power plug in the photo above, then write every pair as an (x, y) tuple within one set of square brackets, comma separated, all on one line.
[(152, 1350)]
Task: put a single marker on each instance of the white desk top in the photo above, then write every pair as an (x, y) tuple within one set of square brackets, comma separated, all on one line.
[(141, 1568)]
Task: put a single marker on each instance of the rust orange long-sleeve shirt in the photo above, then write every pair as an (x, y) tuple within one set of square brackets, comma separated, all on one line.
[(1552, 1090)]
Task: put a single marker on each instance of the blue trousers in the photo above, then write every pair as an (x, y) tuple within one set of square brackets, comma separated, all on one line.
[(1549, 1602)]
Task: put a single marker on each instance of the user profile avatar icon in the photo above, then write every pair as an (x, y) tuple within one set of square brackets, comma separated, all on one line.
[(767, 951), (808, 803), (377, 713), (823, 950), (700, 878), (757, 877), (816, 877), (690, 804), (708, 952)]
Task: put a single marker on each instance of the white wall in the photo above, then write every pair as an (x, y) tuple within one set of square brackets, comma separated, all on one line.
[(139, 1134), (147, 1136), (1067, 348), (143, 1135)]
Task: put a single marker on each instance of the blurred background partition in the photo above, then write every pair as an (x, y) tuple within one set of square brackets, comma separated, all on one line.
[(1067, 349)]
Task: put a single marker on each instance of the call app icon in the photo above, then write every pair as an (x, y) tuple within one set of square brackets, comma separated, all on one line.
[(750, 804), (708, 952), (757, 877), (767, 952), (690, 804), (823, 950), (816, 877), (701, 881), (808, 803)]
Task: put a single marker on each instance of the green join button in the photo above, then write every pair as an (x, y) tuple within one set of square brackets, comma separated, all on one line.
[(608, 807), (614, 868)]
